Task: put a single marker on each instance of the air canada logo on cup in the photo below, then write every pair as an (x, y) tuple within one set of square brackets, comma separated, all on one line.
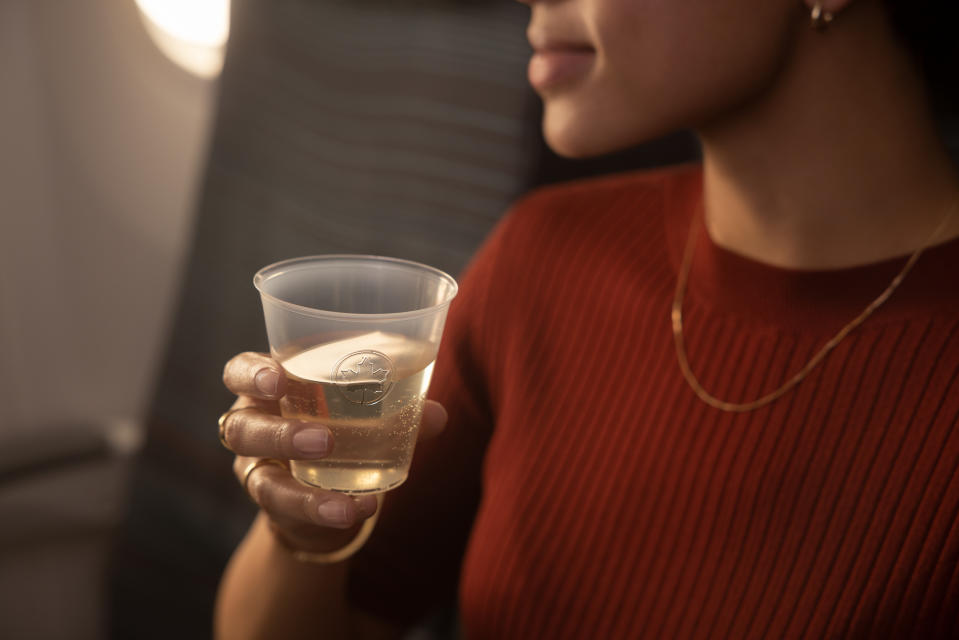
[(364, 377)]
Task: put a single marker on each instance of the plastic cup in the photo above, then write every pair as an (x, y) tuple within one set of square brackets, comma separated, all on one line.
[(357, 337)]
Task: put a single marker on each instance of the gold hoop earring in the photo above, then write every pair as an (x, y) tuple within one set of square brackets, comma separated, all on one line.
[(819, 18)]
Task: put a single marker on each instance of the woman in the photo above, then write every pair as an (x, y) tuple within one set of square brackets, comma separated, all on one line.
[(781, 463)]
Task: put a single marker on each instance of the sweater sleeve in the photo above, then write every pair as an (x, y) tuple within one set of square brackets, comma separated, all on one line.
[(411, 563)]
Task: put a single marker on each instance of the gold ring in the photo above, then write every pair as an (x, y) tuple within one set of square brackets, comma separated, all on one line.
[(256, 464), (221, 423)]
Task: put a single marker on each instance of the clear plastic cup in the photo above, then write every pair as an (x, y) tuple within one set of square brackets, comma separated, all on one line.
[(357, 337)]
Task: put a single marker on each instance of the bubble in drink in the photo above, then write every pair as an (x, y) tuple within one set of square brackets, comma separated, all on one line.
[(369, 390)]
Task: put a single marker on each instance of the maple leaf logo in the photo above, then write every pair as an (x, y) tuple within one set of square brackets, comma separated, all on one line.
[(364, 378), (366, 370)]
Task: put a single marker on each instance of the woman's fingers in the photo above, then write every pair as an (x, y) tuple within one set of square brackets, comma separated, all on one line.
[(251, 427), (254, 374), (248, 431), (292, 504), (434, 420)]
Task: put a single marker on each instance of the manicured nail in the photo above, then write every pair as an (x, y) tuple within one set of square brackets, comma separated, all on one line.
[(334, 512), (266, 381), (312, 441)]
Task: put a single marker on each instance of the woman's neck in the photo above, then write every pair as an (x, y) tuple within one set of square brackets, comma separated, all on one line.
[(838, 162)]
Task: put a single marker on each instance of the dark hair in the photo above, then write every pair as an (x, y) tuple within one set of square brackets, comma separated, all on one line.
[(930, 30)]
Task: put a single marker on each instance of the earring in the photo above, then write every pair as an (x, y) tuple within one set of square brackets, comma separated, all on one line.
[(819, 18)]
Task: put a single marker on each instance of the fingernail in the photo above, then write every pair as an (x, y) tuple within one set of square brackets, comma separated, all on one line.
[(311, 441), (334, 513), (266, 381)]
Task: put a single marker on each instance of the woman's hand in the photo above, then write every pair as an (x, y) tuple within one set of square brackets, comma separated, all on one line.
[(311, 518)]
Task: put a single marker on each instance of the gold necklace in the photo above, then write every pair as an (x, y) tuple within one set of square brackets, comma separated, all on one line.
[(713, 401)]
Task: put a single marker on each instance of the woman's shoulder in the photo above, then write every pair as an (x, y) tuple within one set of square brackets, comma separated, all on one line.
[(601, 213), (633, 202), (599, 223), (610, 191)]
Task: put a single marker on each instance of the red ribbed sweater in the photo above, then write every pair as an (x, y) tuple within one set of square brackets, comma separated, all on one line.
[(581, 489)]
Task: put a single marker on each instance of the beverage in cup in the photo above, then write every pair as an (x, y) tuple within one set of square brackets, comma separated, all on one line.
[(357, 337)]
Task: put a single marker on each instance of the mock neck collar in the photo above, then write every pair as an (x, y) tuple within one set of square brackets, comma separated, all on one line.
[(803, 299)]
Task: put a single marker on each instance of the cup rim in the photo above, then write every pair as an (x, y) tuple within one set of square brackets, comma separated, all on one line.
[(277, 268)]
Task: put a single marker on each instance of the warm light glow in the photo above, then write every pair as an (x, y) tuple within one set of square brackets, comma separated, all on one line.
[(192, 33)]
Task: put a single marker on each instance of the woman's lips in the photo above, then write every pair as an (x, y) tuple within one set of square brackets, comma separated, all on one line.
[(557, 65)]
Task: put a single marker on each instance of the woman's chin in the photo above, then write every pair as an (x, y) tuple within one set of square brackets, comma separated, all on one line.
[(571, 152), (572, 142), (579, 142), (578, 133)]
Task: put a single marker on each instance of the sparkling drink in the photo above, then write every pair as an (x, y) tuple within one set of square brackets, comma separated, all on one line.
[(369, 390), (357, 336)]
